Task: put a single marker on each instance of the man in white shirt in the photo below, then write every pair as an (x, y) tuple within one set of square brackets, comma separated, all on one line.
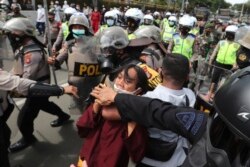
[(40, 21), (175, 71)]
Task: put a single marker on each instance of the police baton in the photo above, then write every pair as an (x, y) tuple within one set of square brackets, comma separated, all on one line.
[(49, 38)]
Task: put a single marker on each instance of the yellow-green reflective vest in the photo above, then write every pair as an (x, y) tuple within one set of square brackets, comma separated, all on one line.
[(65, 29), (184, 46), (227, 52), (194, 31), (168, 33), (131, 36), (103, 27), (165, 23)]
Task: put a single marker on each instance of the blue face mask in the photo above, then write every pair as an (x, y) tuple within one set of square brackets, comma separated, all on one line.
[(110, 22), (78, 33)]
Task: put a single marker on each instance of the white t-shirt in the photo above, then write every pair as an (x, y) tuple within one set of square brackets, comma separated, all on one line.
[(179, 98), (40, 15)]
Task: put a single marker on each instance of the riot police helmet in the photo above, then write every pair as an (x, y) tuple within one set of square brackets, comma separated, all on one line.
[(20, 26), (79, 19), (114, 37), (230, 130), (150, 31)]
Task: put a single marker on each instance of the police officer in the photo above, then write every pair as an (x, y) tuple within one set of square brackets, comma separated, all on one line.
[(134, 17), (169, 30), (15, 12), (148, 19), (83, 69), (30, 62), (25, 87), (225, 54), (157, 18), (54, 28), (164, 22), (64, 31), (243, 54), (183, 42), (110, 19)]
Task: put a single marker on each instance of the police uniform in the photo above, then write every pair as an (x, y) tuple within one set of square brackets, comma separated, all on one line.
[(31, 63), (225, 53), (10, 82), (168, 33), (62, 35), (182, 45), (54, 28), (83, 68)]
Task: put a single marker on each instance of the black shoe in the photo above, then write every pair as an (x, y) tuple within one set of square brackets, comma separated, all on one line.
[(22, 144), (60, 121)]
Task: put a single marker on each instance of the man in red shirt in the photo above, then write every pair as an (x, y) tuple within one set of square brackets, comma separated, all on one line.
[(95, 19)]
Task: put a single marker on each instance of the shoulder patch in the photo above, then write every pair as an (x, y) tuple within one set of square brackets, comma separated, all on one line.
[(27, 58), (186, 119)]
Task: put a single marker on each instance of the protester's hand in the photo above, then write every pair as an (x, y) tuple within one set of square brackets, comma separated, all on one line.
[(51, 60), (103, 94), (69, 89), (96, 107)]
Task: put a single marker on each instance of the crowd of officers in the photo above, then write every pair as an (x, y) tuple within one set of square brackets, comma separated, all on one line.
[(124, 37)]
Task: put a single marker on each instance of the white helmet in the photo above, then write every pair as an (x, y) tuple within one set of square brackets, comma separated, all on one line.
[(148, 19), (135, 14), (70, 10), (168, 14), (186, 21), (172, 18), (194, 20), (111, 14), (172, 21), (231, 28), (156, 13)]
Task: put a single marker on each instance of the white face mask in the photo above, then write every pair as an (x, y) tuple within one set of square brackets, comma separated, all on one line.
[(119, 90), (110, 22)]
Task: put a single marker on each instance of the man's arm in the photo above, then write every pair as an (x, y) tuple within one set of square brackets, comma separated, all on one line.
[(184, 121)]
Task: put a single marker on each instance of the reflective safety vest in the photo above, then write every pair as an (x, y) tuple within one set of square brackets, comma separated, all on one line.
[(183, 46), (168, 33), (164, 23), (103, 27), (195, 31), (65, 29), (227, 52), (131, 36)]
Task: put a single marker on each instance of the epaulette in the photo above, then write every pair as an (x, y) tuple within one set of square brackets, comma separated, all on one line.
[(31, 48), (191, 35)]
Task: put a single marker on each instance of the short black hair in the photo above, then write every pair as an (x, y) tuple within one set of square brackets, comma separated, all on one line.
[(141, 75), (176, 67)]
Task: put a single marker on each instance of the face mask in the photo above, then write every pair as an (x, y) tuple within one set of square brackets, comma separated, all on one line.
[(230, 37), (110, 22), (119, 90), (171, 23), (15, 40), (78, 33)]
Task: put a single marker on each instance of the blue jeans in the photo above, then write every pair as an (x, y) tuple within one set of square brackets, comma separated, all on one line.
[(40, 27)]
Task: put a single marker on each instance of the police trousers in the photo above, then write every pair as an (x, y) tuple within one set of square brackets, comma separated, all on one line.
[(5, 137), (29, 112)]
